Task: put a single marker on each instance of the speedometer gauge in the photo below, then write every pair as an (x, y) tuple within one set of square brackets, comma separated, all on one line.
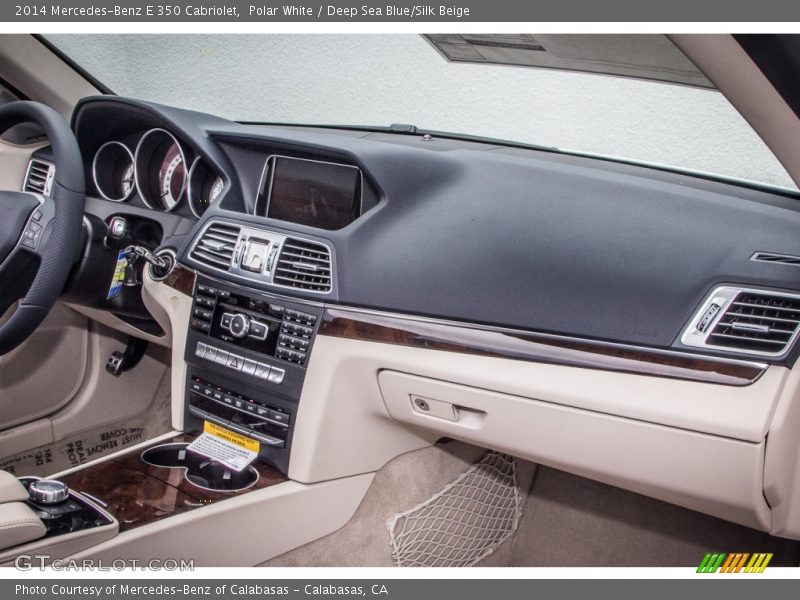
[(205, 186), (160, 169), (171, 178)]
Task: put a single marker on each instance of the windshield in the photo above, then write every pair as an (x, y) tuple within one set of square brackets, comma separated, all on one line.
[(378, 80)]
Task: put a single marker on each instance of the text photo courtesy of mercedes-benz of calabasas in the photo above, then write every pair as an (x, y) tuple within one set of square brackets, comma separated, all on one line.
[(400, 300)]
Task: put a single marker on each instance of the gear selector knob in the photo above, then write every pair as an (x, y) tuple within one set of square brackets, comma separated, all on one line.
[(48, 491)]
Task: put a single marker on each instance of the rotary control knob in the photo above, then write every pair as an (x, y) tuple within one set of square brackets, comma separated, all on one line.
[(239, 325), (48, 491)]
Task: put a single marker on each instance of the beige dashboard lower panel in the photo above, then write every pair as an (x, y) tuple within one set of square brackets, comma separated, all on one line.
[(782, 462), (172, 310), (715, 475), (651, 435), (245, 530)]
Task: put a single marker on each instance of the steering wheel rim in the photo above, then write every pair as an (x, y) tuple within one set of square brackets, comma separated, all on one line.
[(60, 222)]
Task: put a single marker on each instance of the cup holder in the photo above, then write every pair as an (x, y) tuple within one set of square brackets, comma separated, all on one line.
[(200, 471)]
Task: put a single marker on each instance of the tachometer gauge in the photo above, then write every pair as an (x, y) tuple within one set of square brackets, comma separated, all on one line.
[(160, 169), (112, 171), (205, 186)]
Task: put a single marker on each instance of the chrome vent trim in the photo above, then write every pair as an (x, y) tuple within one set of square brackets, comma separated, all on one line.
[(39, 177), (746, 321), (304, 265), (772, 257), (216, 245)]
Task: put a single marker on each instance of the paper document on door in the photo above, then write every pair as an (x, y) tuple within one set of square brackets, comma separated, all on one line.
[(227, 453)]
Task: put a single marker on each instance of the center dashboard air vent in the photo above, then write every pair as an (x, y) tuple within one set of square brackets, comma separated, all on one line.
[(264, 256), (305, 265), (746, 321), (216, 246)]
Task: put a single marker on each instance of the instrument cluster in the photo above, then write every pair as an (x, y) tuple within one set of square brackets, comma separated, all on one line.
[(158, 170)]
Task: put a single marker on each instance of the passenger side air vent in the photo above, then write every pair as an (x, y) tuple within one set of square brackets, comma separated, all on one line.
[(39, 177), (304, 265), (771, 257), (757, 322), (746, 321), (216, 245)]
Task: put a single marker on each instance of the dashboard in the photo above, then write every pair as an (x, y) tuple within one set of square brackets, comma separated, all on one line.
[(493, 236)]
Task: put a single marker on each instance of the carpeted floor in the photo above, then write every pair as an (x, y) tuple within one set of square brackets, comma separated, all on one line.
[(571, 521), (567, 521)]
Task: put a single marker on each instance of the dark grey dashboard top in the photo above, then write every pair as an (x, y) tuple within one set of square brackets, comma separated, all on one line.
[(519, 238)]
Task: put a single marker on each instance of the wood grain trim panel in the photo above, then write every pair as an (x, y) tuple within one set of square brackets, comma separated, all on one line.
[(181, 279), (532, 347), (137, 493)]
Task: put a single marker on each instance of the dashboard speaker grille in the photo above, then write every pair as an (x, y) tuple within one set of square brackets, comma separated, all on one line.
[(304, 265), (39, 177), (216, 246), (757, 322)]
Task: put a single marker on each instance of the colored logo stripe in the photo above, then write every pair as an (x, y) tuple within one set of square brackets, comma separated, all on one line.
[(735, 562)]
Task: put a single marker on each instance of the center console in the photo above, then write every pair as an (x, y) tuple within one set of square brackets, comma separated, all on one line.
[(247, 354)]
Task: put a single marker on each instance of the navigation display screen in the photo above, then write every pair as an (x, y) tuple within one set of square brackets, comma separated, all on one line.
[(313, 193)]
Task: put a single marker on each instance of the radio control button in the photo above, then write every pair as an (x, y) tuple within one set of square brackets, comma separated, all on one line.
[(279, 417), (202, 313), (258, 330), (263, 371), (276, 375), (204, 302), (200, 325), (225, 321), (249, 367), (239, 325)]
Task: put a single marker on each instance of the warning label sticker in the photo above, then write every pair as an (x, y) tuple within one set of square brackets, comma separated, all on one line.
[(233, 450)]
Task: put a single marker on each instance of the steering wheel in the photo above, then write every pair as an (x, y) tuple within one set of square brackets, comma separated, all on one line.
[(39, 234)]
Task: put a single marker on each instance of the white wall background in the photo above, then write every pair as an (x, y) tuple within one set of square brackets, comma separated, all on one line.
[(384, 79)]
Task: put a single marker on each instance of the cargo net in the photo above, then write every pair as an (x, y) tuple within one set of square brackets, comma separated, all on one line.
[(463, 523)]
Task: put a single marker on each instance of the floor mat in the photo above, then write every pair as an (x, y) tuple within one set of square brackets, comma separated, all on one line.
[(465, 522), (404, 482)]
